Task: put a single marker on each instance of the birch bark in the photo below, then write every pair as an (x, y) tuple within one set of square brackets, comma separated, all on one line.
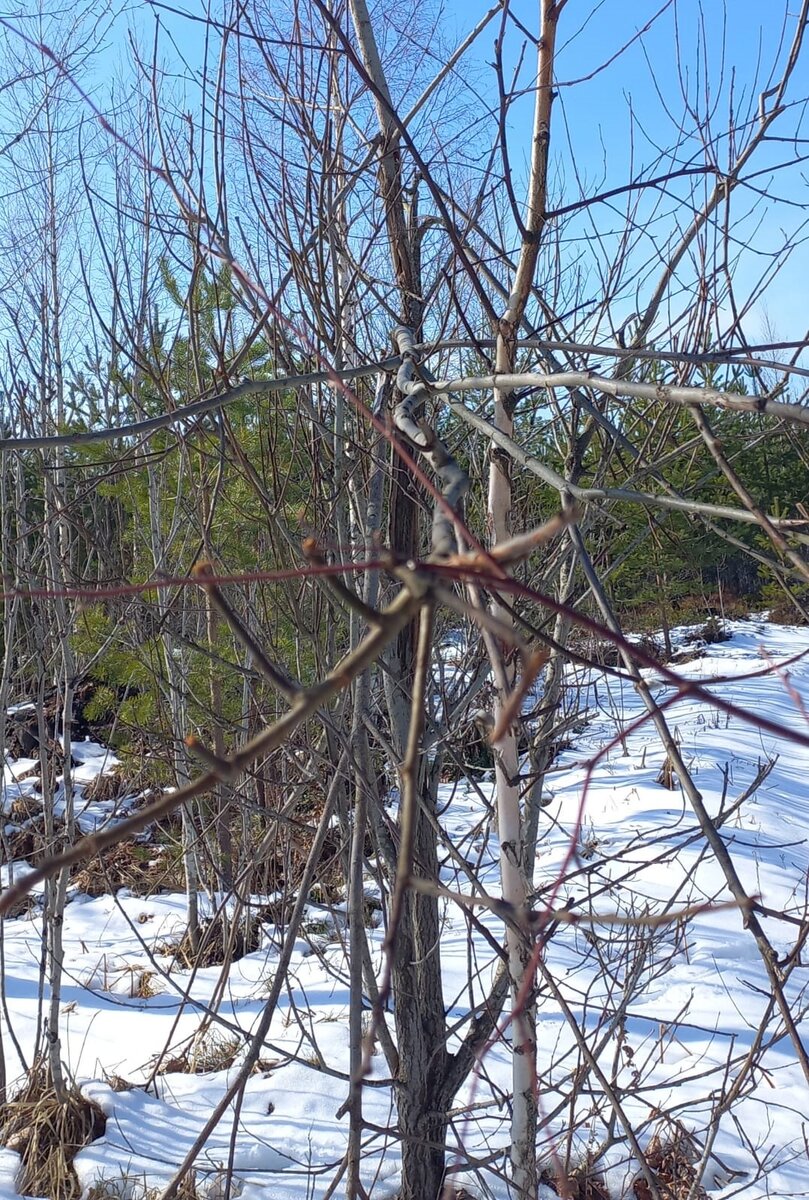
[(506, 754)]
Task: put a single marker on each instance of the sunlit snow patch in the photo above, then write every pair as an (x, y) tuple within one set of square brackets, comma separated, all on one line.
[(146, 1140)]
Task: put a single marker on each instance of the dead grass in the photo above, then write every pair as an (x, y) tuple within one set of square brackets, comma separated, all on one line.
[(207, 1051), (128, 1188), (672, 1154), (141, 869), (280, 869), (25, 834), (47, 1134), (24, 808), (125, 779), (710, 633), (583, 1183), (119, 1084), (218, 942), (25, 905), (785, 612), (110, 785), (667, 776)]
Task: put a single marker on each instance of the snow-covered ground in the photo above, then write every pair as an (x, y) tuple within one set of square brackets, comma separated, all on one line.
[(671, 1012), (21, 784)]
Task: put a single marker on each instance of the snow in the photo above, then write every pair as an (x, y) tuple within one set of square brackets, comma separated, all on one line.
[(89, 760), (670, 1010), (166, 1130), (14, 871)]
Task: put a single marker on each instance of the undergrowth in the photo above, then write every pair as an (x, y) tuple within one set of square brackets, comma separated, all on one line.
[(207, 1051), (48, 1133), (130, 1188)]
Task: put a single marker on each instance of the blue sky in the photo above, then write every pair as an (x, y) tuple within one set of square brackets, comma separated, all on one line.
[(636, 100), (634, 81)]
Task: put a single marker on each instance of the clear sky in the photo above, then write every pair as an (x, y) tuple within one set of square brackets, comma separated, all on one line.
[(635, 82), (637, 79)]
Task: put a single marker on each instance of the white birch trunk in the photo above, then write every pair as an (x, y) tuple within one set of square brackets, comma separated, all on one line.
[(507, 799), (507, 804)]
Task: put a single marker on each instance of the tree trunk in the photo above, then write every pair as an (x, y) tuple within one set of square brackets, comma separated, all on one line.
[(421, 1026)]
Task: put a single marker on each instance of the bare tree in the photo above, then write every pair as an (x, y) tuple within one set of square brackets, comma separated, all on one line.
[(396, 355)]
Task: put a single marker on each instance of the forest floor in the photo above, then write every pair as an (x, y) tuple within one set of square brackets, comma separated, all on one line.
[(670, 1010)]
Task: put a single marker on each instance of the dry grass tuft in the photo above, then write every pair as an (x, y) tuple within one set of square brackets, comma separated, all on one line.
[(672, 1155), (119, 1084), (148, 986), (714, 630), (25, 834), (125, 779), (220, 942), (110, 785), (141, 869), (25, 905), (47, 1134), (583, 1183), (24, 808), (207, 1051), (588, 1186), (128, 1188), (785, 612), (667, 776)]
